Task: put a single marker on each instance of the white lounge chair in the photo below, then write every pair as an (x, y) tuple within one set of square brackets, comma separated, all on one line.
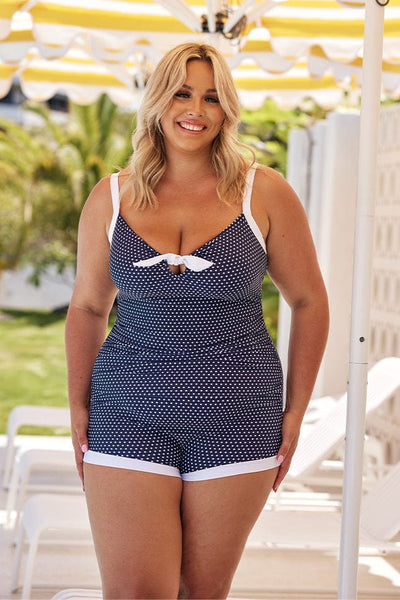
[(320, 530), (40, 470), (49, 519), (321, 440), (33, 415)]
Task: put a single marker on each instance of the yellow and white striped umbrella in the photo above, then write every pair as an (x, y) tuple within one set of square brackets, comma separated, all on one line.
[(83, 79), (284, 48), (114, 26)]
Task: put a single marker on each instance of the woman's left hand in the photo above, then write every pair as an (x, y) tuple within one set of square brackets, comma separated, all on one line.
[(290, 435)]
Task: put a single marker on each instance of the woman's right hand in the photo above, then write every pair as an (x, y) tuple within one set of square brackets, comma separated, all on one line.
[(79, 428)]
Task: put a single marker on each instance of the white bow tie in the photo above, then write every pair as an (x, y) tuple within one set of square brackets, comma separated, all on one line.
[(194, 263)]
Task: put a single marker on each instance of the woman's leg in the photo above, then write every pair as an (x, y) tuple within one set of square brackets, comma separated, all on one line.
[(136, 525), (217, 517)]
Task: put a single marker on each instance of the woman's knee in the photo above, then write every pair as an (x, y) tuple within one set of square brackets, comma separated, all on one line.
[(192, 588), (140, 590)]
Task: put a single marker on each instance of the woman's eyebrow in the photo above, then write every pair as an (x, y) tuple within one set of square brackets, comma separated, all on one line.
[(188, 87)]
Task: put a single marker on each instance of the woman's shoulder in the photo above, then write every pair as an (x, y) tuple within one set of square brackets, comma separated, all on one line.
[(99, 201), (274, 193), (266, 176), (101, 190), (270, 185)]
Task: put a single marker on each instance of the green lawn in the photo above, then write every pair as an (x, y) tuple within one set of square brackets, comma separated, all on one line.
[(32, 363)]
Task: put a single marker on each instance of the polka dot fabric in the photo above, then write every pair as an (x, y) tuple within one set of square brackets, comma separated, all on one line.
[(188, 382)]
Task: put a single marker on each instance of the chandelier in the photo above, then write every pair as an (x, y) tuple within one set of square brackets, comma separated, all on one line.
[(221, 18)]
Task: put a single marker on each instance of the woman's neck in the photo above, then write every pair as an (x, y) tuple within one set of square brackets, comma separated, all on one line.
[(188, 168)]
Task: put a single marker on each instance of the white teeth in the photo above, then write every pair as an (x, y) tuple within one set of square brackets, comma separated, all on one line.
[(191, 127)]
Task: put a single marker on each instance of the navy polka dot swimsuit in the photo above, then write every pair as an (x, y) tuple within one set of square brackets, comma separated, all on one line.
[(188, 382)]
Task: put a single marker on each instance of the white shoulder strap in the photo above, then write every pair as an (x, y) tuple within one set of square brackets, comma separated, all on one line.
[(115, 203), (247, 207)]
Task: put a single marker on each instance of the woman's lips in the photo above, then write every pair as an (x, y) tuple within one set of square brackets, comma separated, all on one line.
[(195, 127)]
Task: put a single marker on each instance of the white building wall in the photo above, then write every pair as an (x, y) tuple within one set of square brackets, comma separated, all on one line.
[(329, 198)]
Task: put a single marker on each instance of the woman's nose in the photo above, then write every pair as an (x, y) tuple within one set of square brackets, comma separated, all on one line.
[(195, 107)]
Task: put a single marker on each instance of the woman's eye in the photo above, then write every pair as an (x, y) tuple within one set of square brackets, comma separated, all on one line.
[(185, 95)]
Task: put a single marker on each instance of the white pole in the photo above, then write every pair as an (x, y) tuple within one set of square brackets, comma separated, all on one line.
[(359, 336)]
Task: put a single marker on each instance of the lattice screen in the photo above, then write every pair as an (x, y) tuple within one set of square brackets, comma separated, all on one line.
[(385, 305)]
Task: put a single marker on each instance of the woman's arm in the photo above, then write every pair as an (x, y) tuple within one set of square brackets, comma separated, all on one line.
[(294, 268), (88, 313)]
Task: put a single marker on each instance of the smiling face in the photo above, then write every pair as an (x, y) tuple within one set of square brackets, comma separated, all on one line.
[(195, 115)]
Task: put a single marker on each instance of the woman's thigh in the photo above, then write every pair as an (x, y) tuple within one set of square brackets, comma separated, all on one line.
[(217, 517), (136, 525)]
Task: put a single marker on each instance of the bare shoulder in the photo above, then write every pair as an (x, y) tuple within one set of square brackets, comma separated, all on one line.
[(271, 184), (98, 203), (267, 174), (275, 194)]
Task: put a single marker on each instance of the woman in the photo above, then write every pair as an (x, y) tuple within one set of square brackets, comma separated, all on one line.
[(186, 435)]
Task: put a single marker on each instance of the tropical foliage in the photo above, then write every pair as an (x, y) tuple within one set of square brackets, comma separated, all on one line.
[(48, 173), (267, 129)]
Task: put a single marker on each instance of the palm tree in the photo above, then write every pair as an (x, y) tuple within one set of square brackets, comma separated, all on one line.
[(20, 156), (57, 168)]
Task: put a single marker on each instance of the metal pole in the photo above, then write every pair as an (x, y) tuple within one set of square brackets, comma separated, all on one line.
[(359, 336)]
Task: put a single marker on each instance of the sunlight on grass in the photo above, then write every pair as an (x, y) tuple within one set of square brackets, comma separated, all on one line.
[(32, 362)]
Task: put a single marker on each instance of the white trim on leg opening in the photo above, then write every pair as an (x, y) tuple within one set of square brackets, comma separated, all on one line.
[(133, 464), (241, 468)]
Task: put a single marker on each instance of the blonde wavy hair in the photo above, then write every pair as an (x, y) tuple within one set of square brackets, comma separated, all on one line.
[(148, 162)]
